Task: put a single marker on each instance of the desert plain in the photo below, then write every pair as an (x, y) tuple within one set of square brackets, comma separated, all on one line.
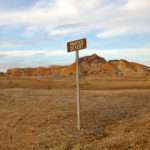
[(40, 114)]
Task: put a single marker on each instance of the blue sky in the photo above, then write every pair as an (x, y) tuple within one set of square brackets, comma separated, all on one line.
[(35, 32)]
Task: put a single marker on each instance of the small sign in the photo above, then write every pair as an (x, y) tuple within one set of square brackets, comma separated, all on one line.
[(76, 45)]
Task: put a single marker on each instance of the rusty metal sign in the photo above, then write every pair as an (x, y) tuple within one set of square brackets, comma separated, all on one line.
[(76, 45)]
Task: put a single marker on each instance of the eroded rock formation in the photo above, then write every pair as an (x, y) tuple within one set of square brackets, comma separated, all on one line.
[(93, 64)]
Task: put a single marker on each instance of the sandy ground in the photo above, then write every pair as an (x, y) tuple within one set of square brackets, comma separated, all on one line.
[(45, 119), (86, 83)]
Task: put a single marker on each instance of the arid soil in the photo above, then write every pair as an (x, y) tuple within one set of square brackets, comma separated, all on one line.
[(38, 114), (86, 83)]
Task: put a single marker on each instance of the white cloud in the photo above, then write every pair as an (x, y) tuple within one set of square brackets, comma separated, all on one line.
[(8, 44), (109, 18), (29, 53), (134, 53), (137, 4)]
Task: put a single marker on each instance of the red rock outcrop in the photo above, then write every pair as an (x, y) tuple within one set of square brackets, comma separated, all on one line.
[(93, 64)]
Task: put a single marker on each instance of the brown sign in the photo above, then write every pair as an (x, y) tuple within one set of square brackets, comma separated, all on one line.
[(76, 45)]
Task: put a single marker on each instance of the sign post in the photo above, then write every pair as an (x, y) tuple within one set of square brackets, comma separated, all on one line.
[(76, 46), (78, 89)]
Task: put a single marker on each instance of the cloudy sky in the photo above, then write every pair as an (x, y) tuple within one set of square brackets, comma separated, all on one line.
[(35, 32)]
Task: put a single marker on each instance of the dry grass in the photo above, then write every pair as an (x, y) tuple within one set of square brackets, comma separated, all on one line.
[(45, 119), (69, 83)]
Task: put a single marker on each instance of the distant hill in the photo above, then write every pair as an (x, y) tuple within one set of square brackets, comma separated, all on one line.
[(89, 65)]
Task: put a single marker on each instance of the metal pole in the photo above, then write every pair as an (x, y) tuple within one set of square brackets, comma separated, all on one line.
[(78, 89)]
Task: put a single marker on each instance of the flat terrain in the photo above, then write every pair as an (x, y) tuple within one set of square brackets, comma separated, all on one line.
[(37, 114), (87, 83)]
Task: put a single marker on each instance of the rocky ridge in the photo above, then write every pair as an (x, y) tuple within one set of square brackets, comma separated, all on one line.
[(92, 64)]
